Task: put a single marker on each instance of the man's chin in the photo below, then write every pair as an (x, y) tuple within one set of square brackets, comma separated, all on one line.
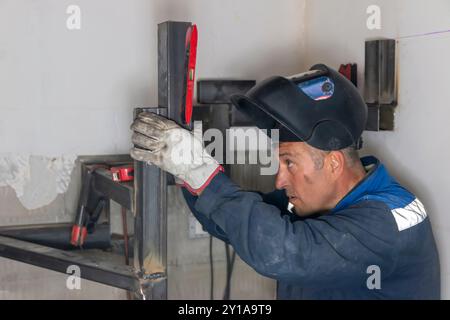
[(305, 213), (301, 213), (300, 210)]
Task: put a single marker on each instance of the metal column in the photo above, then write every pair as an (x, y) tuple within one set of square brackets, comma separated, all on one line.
[(150, 184)]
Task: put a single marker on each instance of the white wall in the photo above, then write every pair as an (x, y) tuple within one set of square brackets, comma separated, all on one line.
[(417, 151), (73, 91)]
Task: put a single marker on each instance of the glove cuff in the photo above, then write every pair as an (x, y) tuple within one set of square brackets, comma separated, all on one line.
[(196, 191)]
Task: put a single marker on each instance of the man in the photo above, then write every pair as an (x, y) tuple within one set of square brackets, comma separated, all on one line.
[(338, 227)]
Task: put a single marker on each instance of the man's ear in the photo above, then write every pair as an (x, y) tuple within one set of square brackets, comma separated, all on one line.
[(336, 162)]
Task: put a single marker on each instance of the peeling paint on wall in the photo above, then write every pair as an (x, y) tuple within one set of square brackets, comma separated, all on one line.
[(14, 170), (62, 168), (37, 180)]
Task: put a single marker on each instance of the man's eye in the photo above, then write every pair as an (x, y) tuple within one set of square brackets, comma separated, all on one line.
[(289, 163)]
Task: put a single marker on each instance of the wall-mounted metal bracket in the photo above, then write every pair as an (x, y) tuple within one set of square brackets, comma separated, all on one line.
[(380, 84)]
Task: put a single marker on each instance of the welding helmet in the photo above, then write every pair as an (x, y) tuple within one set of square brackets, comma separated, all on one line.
[(320, 107)]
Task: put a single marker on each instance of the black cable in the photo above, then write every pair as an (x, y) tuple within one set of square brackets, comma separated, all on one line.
[(233, 258), (211, 268), (226, 292), (230, 265)]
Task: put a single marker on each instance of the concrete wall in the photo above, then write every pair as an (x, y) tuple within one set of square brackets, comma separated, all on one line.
[(416, 152), (67, 93)]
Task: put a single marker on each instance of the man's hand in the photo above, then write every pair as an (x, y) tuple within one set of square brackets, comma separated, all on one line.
[(163, 143)]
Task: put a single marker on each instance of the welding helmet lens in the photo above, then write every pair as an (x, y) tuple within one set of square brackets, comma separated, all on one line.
[(315, 84)]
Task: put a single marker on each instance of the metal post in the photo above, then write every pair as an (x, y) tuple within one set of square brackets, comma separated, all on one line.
[(150, 184), (150, 231)]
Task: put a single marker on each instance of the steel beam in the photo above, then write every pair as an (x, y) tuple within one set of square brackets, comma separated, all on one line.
[(94, 265), (150, 183), (122, 193)]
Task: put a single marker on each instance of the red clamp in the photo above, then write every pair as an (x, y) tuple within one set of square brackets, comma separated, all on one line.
[(122, 173)]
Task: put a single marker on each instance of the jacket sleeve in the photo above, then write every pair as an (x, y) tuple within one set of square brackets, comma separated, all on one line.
[(331, 250), (275, 198)]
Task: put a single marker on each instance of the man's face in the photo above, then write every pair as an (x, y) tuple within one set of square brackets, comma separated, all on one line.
[(309, 189)]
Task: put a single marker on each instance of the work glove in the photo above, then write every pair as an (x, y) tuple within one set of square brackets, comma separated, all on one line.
[(163, 143)]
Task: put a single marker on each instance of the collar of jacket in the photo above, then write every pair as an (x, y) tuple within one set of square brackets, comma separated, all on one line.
[(377, 178)]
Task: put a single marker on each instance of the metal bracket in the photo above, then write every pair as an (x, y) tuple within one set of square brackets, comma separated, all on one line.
[(380, 84)]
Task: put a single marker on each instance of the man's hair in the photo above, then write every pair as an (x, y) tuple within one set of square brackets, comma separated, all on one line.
[(350, 153)]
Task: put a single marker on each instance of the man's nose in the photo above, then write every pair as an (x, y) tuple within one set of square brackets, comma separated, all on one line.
[(280, 179)]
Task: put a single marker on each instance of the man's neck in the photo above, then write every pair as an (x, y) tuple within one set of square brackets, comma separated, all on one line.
[(348, 182)]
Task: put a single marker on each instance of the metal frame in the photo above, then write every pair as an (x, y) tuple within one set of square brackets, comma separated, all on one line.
[(150, 183), (96, 265), (146, 198)]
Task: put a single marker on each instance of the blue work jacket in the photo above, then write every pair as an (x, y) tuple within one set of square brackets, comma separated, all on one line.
[(377, 243)]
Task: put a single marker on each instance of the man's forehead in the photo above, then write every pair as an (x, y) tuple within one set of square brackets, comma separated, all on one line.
[(291, 148)]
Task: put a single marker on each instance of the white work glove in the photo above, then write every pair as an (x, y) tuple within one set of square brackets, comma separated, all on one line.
[(163, 143)]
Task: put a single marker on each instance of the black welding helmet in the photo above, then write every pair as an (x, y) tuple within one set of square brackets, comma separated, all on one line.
[(320, 107)]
